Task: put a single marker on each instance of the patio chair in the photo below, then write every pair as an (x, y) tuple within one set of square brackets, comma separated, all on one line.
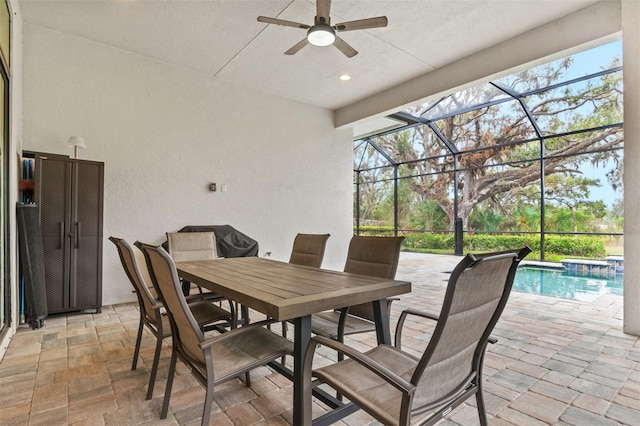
[(399, 389), (150, 307), (308, 249), (185, 246), (372, 256), (215, 359)]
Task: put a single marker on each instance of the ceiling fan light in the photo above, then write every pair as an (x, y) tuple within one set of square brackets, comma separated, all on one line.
[(321, 35)]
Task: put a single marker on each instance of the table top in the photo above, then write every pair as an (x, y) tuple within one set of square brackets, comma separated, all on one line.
[(285, 291)]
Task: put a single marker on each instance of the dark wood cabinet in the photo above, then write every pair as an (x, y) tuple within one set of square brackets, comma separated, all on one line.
[(70, 195)]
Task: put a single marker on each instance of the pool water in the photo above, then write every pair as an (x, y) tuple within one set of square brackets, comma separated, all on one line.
[(559, 283)]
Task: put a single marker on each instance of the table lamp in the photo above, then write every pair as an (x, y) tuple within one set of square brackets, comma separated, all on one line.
[(76, 142)]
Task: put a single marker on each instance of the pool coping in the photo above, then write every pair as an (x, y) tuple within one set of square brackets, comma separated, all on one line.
[(540, 264)]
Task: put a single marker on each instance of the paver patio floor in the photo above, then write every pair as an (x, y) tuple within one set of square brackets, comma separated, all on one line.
[(557, 362)]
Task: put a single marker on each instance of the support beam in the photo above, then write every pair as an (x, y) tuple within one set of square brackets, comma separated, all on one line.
[(590, 26)]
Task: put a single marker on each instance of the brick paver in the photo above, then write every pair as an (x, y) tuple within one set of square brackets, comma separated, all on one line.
[(557, 362)]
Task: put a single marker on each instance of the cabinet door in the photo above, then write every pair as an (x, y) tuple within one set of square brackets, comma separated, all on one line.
[(86, 235), (52, 193)]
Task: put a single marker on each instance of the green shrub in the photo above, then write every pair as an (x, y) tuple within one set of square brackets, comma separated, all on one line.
[(429, 241), (556, 247), (375, 230), (481, 242), (581, 247)]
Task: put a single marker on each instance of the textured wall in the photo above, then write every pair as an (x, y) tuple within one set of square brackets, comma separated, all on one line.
[(165, 132)]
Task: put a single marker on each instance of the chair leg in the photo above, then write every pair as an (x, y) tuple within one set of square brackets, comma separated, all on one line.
[(136, 351), (234, 314), (208, 401), (154, 367), (284, 334), (245, 315), (247, 379), (340, 358), (167, 390), (208, 398), (480, 402)]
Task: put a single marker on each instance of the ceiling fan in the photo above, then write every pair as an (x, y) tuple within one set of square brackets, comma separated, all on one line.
[(322, 33)]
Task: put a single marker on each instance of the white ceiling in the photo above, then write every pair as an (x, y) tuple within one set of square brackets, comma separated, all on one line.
[(223, 39)]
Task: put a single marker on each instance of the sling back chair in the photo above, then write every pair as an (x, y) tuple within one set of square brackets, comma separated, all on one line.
[(308, 249), (399, 389), (186, 246), (215, 359), (205, 313), (372, 256)]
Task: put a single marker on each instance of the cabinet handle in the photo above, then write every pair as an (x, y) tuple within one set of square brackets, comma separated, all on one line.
[(61, 241), (77, 235)]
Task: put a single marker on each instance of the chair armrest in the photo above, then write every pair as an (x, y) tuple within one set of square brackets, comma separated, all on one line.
[(209, 297), (420, 314), (229, 334), (383, 372), (158, 309), (403, 316), (197, 302), (344, 312)]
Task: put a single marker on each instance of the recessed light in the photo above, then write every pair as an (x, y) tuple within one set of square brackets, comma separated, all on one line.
[(345, 77)]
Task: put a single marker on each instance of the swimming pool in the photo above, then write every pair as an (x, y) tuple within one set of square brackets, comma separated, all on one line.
[(559, 283)]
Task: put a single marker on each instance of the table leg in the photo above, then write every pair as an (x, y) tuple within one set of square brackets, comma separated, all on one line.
[(381, 316), (301, 385)]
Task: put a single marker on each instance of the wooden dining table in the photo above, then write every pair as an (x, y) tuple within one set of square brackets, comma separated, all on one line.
[(288, 292)]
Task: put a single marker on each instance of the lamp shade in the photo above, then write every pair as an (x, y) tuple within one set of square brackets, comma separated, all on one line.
[(77, 142), (321, 35)]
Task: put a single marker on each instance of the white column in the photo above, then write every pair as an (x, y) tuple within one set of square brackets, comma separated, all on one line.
[(631, 63)]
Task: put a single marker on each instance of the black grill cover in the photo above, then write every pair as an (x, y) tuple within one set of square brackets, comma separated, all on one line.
[(229, 241)]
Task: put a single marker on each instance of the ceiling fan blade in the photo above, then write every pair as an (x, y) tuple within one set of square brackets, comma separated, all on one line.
[(345, 48), (323, 8), (362, 24), (302, 43), (282, 22)]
